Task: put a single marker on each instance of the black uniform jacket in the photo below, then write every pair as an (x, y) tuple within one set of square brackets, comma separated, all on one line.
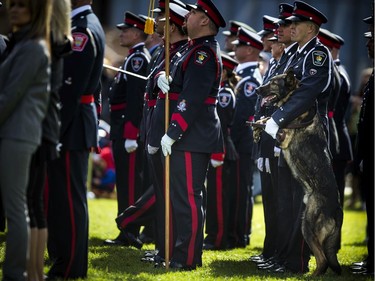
[(127, 93), (81, 89), (313, 67), (196, 76)]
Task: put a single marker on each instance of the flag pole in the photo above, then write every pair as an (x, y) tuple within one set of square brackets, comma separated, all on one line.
[(167, 159)]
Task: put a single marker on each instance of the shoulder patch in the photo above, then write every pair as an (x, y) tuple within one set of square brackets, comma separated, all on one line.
[(249, 88), (225, 99), (201, 57), (136, 63), (319, 58), (79, 41)]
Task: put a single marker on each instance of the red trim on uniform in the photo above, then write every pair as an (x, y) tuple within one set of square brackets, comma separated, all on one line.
[(244, 38), (219, 206), (330, 114), (130, 131), (87, 99), (193, 208), (210, 12), (131, 178), (180, 121), (151, 103), (251, 118), (328, 42), (119, 106), (233, 29), (140, 212), (309, 15), (135, 23), (171, 96), (269, 26), (71, 211), (218, 156)]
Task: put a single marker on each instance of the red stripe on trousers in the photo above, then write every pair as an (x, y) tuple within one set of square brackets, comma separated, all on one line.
[(137, 214), (219, 206), (71, 211), (193, 208), (131, 175)]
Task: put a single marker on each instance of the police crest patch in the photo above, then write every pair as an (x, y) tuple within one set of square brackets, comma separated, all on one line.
[(136, 63), (182, 106), (79, 41), (319, 58), (225, 99), (249, 88), (201, 57)]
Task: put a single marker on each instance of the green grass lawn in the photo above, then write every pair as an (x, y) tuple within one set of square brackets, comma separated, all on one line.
[(123, 263)]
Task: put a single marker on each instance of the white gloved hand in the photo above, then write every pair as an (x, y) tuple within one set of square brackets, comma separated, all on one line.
[(260, 164), (152, 149), (216, 163), (267, 165), (276, 151), (130, 145), (163, 82), (166, 145), (271, 128)]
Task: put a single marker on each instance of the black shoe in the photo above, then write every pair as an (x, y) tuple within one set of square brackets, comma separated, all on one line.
[(120, 240), (145, 239), (208, 246), (132, 239), (180, 267), (359, 264), (277, 268), (258, 259)]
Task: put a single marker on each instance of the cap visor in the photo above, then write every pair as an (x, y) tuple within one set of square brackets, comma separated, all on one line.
[(157, 10), (264, 32), (121, 25), (294, 19), (226, 33), (232, 54), (162, 19), (236, 42)]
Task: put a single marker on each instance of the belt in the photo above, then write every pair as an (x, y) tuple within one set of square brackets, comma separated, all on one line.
[(117, 106), (174, 96), (87, 99), (151, 103)]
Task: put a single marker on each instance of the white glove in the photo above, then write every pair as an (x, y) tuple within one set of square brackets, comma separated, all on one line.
[(267, 165), (271, 128), (216, 163), (163, 83), (264, 163), (276, 151), (152, 149), (166, 145), (130, 145)]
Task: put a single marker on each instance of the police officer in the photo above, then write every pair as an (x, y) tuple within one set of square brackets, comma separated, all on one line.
[(247, 49), (194, 132), (311, 65), (231, 35), (151, 203), (344, 155), (80, 94), (126, 103), (219, 185), (364, 155)]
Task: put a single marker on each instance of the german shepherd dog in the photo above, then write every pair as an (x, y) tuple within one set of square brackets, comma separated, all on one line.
[(304, 146)]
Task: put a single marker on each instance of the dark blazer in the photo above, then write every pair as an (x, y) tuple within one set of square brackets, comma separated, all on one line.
[(24, 89)]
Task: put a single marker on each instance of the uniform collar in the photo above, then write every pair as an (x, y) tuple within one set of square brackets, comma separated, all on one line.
[(80, 10), (244, 65)]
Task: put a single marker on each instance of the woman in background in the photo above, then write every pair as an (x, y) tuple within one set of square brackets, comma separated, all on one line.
[(24, 93), (60, 47)]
